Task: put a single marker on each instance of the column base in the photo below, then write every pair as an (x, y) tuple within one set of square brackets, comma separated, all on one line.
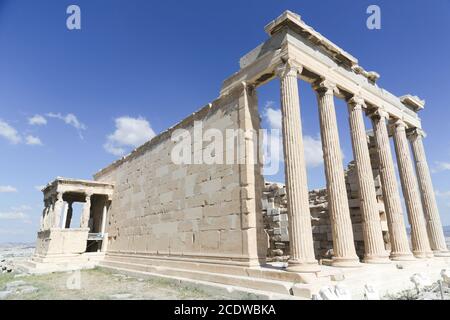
[(376, 259), (402, 257), (423, 255), (441, 253), (310, 267), (345, 262)]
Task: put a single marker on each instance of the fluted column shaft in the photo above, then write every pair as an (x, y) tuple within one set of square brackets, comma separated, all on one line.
[(343, 240), (374, 250), (104, 215), (300, 231), (430, 208), (419, 237), (391, 197)]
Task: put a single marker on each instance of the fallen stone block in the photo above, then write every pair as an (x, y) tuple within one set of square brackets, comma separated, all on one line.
[(421, 281), (371, 293), (445, 274), (328, 293), (342, 292)]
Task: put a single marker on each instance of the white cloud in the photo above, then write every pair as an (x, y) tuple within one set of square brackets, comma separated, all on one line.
[(33, 141), (7, 189), (312, 145), (69, 119), (12, 232), (37, 120), (313, 151), (17, 213), (273, 116), (22, 207), (14, 215), (441, 166), (110, 148), (443, 194), (130, 132), (9, 133)]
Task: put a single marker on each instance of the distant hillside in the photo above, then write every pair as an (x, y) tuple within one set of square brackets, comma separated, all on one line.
[(17, 244), (446, 230)]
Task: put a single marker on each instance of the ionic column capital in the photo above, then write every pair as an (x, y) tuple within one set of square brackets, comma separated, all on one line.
[(289, 69), (356, 103), (379, 114), (416, 132), (399, 123), (325, 86)]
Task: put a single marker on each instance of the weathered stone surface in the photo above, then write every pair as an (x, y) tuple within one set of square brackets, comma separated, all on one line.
[(374, 250), (343, 244), (301, 242), (397, 231), (433, 221), (419, 237)]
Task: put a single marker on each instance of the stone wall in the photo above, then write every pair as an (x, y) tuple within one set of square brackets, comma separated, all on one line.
[(198, 211), (275, 214)]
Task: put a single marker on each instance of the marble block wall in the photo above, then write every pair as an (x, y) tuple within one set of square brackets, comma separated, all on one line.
[(191, 211)]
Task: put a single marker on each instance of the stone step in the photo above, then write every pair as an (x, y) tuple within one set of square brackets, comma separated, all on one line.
[(266, 272), (280, 287), (233, 292)]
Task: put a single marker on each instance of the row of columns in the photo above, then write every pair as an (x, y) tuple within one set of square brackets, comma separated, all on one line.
[(427, 234), (58, 214)]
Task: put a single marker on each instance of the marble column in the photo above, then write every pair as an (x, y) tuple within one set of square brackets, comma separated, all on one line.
[(64, 215), (391, 196), (343, 240), (69, 215), (430, 208), (374, 250), (419, 238), (56, 219), (104, 215), (302, 257), (85, 215)]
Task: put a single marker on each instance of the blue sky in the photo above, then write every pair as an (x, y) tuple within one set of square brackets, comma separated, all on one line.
[(146, 65)]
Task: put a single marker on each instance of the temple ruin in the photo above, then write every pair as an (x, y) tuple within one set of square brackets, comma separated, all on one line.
[(219, 222)]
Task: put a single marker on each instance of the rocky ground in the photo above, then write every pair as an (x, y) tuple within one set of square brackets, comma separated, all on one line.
[(86, 284)]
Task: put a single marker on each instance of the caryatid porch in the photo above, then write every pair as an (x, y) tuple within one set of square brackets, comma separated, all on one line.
[(59, 233), (295, 51)]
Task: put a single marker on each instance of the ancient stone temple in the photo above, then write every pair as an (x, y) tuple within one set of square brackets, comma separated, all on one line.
[(145, 213)]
